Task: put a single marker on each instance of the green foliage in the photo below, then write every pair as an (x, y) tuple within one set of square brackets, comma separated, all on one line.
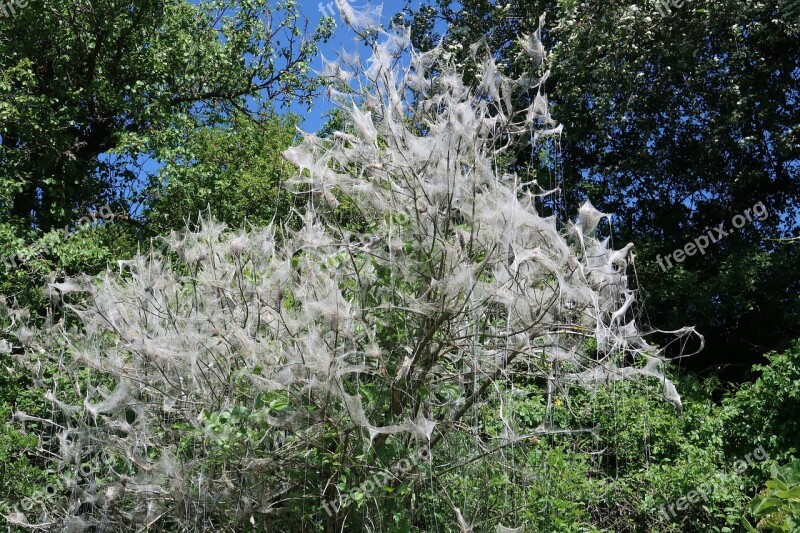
[(127, 79), (236, 172), (777, 507), (655, 456), (629, 470), (766, 411), (644, 457), (20, 472)]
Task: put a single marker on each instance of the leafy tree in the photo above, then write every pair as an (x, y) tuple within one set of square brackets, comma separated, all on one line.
[(92, 90), (88, 87), (237, 172)]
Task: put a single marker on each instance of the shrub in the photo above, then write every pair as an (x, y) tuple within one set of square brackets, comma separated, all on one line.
[(234, 380)]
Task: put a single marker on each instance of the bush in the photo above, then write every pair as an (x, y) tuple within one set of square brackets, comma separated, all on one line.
[(766, 411), (251, 379), (777, 507)]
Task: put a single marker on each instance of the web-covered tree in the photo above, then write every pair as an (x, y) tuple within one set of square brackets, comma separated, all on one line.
[(678, 117), (243, 378)]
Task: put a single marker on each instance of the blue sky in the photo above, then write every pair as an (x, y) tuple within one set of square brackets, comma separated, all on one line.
[(343, 38)]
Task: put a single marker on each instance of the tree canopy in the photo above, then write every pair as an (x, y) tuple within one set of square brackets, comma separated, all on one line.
[(88, 87)]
